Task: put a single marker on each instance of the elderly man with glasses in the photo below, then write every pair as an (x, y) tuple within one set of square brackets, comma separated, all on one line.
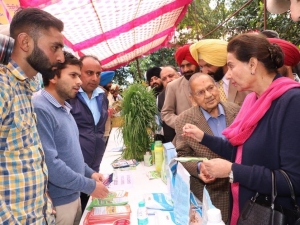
[(212, 116)]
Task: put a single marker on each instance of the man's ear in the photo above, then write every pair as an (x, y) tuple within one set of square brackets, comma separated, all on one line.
[(53, 80), (25, 42)]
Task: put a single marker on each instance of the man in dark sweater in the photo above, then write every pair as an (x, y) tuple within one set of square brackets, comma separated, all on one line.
[(89, 109), (68, 174)]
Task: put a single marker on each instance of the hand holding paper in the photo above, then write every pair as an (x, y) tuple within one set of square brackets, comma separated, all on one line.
[(97, 177), (204, 175), (218, 168)]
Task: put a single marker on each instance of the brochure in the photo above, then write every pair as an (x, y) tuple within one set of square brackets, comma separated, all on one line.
[(190, 159), (114, 198), (122, 163), (107, 215), (165, 218)]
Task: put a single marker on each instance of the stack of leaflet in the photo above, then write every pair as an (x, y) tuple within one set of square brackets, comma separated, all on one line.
[(109, 210), (160, 205)]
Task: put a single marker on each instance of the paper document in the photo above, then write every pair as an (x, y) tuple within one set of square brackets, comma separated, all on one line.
[(182, 195), (190, 159), (123, 180)]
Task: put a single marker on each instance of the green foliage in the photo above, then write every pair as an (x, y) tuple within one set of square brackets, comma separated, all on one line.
[(161, 57), (122, 76), (201, 19), (138, 111), (251, 18)]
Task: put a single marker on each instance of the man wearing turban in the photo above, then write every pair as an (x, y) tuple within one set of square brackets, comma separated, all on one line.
[(211, 55), (153, 79), (106, 84), (291, 57), (177, 97)]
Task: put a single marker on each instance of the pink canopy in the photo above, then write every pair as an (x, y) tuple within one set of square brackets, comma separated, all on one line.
[(116, 31)]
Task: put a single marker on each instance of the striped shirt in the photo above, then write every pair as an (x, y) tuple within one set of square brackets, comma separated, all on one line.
[(23, 172)]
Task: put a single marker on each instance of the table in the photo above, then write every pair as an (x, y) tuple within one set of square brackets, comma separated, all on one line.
[(141, 183)]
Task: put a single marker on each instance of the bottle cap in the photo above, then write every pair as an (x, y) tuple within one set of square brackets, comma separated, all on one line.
[(147, 153), (141, 204), (158, 143), (214, 215)]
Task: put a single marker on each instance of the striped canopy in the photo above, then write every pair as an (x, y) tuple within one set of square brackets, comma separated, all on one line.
[(116, 31)]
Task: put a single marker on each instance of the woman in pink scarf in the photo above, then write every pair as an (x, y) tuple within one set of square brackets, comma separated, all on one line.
[(265, 134)]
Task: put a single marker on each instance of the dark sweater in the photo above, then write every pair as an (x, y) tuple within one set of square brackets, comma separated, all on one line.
[(274, 144), (90, 135)]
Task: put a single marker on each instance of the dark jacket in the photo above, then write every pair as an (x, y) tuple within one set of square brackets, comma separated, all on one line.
[(90, 135), (273, 145)]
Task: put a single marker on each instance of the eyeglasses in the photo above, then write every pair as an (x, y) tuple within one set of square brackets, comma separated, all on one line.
[(202, 93)]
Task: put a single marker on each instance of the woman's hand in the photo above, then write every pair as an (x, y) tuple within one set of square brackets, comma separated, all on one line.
[(218, 168), (204, 176), (190, 130)]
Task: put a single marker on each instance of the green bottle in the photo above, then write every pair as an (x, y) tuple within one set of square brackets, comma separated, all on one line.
[(152, 152)]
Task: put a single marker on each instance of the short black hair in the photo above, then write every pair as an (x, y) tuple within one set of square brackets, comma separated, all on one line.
[(32, 21), (70, 59), (153, 71)]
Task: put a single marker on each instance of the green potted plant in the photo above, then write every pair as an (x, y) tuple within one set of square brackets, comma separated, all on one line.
[(138, 120)]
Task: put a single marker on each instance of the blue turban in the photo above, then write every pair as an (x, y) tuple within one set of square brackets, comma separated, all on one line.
[(106, 77)]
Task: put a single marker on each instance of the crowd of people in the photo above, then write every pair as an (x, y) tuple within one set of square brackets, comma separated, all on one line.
[(234, 103)]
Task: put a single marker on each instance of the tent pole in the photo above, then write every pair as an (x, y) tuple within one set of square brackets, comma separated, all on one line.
[(265, 14)]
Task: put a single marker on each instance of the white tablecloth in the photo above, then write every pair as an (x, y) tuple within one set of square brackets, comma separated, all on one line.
[(141, 183)]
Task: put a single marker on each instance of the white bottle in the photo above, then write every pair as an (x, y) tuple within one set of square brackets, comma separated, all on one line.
[(148, 159), (142, 214), (214, 217)]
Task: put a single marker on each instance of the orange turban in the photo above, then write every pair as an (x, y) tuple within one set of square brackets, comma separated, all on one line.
[(183, 53), (291, 52)]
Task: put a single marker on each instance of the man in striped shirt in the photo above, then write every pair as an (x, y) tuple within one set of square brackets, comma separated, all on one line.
[(23, 172)]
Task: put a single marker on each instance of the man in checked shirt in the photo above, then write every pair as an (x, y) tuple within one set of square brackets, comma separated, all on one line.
[(23, 172)]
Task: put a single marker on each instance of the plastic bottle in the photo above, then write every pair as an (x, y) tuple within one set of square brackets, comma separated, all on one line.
[(214, 217), (148, 159), (142, 214), (159, 151)]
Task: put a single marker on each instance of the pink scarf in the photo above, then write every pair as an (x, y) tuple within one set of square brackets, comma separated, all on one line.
[(240, 130)]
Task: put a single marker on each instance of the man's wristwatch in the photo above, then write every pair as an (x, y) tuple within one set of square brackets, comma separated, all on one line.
[(230, 175)]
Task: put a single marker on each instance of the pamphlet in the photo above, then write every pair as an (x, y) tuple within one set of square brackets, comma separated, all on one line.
[(153, 174), (190, 159), (122, 163), (123, 180), (181, 196), (107, 214), (159, 201), (165, 218), (114, 198)]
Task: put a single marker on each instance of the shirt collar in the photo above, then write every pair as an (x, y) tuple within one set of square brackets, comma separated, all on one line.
[(207, 116), (67, 107), (20, 75), (96, 92)]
